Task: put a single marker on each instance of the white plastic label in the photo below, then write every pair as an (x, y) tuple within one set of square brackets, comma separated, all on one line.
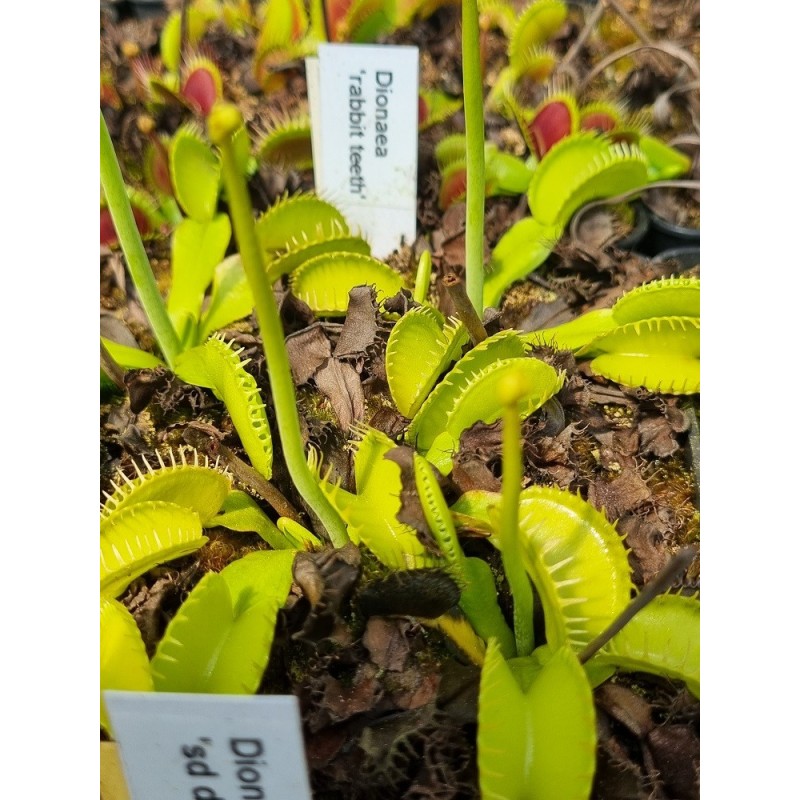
[(364, 102), (209, 747)]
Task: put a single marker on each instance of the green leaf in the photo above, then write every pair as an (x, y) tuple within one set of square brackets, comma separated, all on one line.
[(580, 168), (577, 562), (539, 22), (662, 639), (661, 354), (216, 365), (210, 646), (259, 577), (300, 537), (196, 173), (241, 513), (506, 173), (523, 248), (431, 419), (371, 514), (123, 658), (663, 162), (537, 744), (231, 298), (479, 604), (302, 217), (301, 251), (324, 282), (194, 485), (479, 400), (420, 347), (668, 297), (577, 332), (197, 248), (141, 536), (131, 357)]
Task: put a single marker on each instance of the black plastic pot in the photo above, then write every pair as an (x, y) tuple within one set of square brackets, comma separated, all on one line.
[(687, 257), (142, 9), (664, 235)]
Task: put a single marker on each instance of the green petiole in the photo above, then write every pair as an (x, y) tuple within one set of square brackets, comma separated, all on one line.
[(133, 249)]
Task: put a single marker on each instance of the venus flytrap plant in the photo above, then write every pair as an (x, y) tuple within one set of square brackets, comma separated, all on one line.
[(505, 174), (468, 394), (435, 106), (585, 154), (223, 123), (383, 472), (528, 57), (283, 37), (536, 728), (286, 143), (219, 640), (579, 168)]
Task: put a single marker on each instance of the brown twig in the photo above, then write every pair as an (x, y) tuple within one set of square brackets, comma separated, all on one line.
[(588, 26), (206, 440), (629, 20), (464, 308), (675, 566), (661, 47)]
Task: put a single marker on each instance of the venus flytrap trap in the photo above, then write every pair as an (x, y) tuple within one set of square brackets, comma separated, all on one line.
[(650, 337), (505, 174), (528, 32), (157, 516), (383, 473)]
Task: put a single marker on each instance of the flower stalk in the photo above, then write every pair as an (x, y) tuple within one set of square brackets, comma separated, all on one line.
[(473, 121), (512, 390), (223, 121)]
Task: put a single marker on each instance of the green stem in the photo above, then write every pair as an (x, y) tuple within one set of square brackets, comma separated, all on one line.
[(473, 121), (518, 580), (133, 249), (223, 122), (317, 29)]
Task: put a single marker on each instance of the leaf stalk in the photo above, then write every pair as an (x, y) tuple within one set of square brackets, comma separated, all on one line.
[(133, 249)]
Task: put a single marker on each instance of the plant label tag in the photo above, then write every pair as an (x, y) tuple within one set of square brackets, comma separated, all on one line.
[(364, 103), (209, 747)]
